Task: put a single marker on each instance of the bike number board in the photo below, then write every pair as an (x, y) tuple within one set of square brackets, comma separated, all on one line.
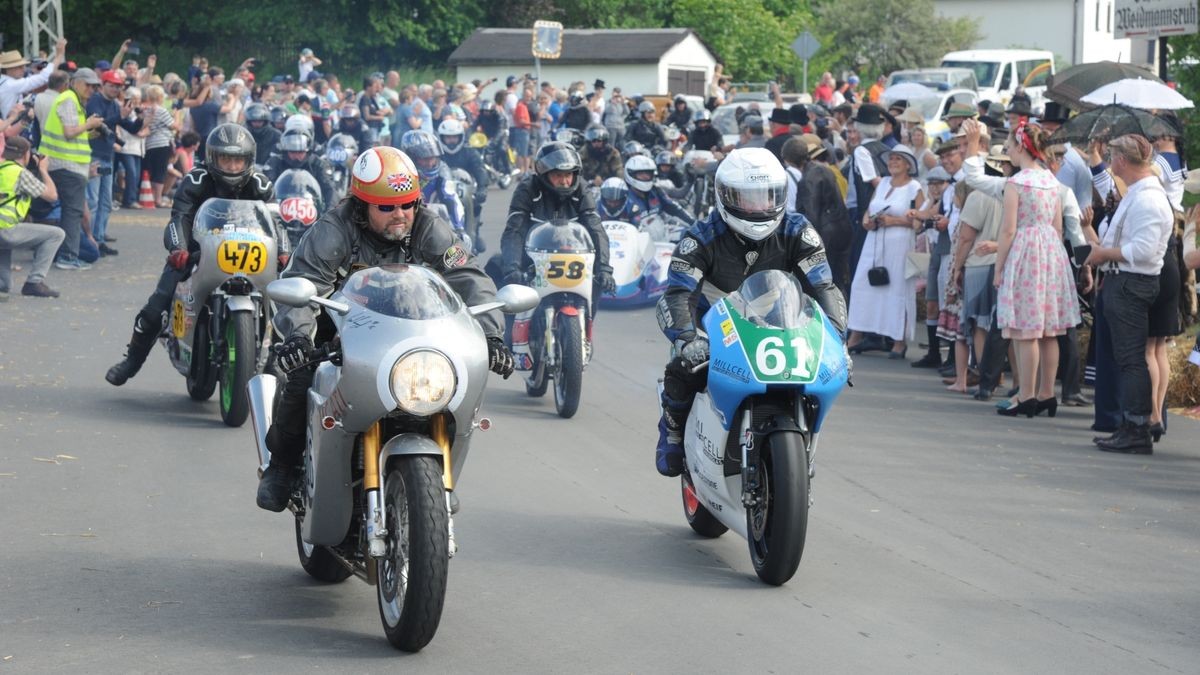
[(298, 209), (178, 320), (242, 257), (565, 271), (775, 355)]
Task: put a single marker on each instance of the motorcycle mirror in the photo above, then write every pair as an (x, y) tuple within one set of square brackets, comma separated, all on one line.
[(294, 292), (517, 298)]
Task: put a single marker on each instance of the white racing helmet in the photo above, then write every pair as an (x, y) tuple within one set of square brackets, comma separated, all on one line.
[(639, 173), (452, 128), (302, 123), (751, 191)]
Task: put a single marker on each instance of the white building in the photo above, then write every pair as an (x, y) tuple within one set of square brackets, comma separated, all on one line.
[(639, 61), (1080, 31)]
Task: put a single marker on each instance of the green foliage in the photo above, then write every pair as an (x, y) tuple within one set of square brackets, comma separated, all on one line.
[(880, 36), (751, 40), (1185, 52)]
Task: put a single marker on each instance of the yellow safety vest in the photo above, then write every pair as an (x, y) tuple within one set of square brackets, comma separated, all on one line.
[(13, 206), (54, 140)]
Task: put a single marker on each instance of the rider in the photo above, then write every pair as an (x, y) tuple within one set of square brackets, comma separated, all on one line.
[(704, 135), (680, 116), (381, 222), (644, 129), (576, 116), (279, 115), (601, 160), (295, 152), (436, 187), (350, 123), (613, 196), (646, 198), (553, 191), (458, 154), (228, 173), (667, 169), (266, 137), (492, 122), (747, 233)]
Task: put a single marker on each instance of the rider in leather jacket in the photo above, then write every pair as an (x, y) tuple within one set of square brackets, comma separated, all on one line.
[(381, 222), (748, 232), (552, 191), (295, 152), (458, 155), (266, 137), (228, 173), (600, 159), (645, 197), (644, 129)]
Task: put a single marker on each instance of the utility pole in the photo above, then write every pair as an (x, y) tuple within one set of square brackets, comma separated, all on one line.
[(41, 16)]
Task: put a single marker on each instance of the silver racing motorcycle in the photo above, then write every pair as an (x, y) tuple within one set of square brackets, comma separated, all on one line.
[(392, 411)]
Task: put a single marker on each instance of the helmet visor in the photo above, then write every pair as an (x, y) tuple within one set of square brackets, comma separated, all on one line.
[(755, 203), (295, 143), (559, 159)]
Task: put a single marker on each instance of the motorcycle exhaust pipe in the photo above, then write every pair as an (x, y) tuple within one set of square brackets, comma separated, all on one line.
[(261, 389)]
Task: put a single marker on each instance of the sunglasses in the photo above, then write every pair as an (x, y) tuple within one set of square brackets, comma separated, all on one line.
[(388, 208)]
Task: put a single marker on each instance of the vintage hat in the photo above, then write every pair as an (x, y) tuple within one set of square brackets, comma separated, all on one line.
[(960, 109), (1055, 112), (798, 114), (948, 146), (112, 77), (845, 109), (1020, 105), (869, 113), (900, 105), (816, 146), (87, 75), (996, 155), (904, 151), (780, 116), (598, 84), (937, 174), (911, 116), (12, 59)]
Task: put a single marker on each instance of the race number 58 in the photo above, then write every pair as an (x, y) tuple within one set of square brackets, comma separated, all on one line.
[(772, 360)]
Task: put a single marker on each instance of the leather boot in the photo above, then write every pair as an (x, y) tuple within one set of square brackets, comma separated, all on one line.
[(1130, 439), (934, 358), (140, 344)]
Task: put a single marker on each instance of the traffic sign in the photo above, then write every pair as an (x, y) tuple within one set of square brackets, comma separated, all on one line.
[(547, 39), (806, 45)]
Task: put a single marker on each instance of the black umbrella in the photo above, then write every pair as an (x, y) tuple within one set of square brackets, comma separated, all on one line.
[(1108, 122), (1076, 82)]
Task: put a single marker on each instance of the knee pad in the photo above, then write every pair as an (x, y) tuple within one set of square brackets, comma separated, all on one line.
[(149, 322)]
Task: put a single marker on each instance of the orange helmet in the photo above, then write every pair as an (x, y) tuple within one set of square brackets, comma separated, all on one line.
[(384, 175)]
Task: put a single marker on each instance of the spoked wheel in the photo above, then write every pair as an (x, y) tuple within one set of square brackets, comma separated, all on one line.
[(700, 518), (568, 378), (539, 379), (412, 577), (776, 527), (318, 561), (241, 360), (202, 375)]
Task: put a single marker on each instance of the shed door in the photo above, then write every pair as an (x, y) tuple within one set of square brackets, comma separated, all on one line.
[(689, 82)]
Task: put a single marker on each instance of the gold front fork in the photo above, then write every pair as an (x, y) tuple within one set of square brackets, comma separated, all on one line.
[(371, 458), (441, 436)]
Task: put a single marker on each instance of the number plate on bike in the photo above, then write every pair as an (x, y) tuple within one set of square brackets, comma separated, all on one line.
[(242, 257), (566, 271), (780, 355)]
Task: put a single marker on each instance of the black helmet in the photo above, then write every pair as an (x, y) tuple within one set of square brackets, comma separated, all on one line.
[(701, 115), (257, 112), (487, 105), (230, 140), (576, 99), (596, 133), (279, 115), (664, 157), (557, 156)]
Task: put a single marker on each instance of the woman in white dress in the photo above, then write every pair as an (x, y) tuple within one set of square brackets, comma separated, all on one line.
[(885, 302)]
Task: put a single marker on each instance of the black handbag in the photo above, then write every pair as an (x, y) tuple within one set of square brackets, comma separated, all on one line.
[(878, 274)]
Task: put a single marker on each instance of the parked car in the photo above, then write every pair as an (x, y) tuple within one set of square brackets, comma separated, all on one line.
[(725, 116), (1000, 71), (955, 78), (933, 107)]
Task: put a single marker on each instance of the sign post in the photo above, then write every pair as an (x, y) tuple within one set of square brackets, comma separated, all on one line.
[(806, 46), (547, 44), (1156, 20)]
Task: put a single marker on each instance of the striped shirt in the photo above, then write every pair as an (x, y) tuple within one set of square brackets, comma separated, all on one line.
[(161, 134), (1172, 173)]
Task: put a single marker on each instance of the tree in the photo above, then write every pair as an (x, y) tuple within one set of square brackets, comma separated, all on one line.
[(1185, 51), (887, 35), (750, 39)]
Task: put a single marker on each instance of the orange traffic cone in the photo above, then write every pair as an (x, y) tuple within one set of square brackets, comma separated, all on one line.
[(145, 192)]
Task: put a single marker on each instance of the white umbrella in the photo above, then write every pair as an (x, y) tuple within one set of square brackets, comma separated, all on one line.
[(907, 91), (1138, 93)]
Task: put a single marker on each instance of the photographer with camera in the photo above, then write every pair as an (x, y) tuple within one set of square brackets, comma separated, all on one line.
[(65, 142), (19, 186), (14, 81), (115, 111)]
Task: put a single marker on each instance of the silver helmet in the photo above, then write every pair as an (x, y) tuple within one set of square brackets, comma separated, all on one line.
[(751, 191)]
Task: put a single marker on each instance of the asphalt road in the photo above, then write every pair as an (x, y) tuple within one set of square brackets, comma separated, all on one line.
[(944, 539)]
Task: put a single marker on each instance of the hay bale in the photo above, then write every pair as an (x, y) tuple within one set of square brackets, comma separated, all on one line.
[(1183, 389)]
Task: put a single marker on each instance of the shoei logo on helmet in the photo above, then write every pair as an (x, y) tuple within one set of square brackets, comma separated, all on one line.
[(399, 182), (368, 168), (758, 178)]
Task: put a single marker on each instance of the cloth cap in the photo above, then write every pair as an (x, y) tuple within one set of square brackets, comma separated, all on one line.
[(87, 75), (937, 173), (103, 65), (15, 147)]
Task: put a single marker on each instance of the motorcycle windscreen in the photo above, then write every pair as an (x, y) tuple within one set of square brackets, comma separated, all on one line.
[(219, 214), (403, 292), (773, 299), (563, 236)]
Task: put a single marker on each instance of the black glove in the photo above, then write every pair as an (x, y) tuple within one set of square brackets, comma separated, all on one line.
[(692, 349), (605, 282), (500, 360), (481, 197), (293, 352)]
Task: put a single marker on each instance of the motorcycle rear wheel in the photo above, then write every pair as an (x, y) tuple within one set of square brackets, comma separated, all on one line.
[(776, 529), (240, 362), (202, 375), (412, 578), (702, 521), (568, 381), (319, 562)]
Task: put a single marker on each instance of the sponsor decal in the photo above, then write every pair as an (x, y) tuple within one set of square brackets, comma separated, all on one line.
[(298, 209), (687, 245), (730, 370), (456, 256), (721, 309), (726, 326), (809, 236), (729, 339), (681, 267)]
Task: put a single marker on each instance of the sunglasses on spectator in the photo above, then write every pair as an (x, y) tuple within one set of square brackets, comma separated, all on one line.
[(388, 208)]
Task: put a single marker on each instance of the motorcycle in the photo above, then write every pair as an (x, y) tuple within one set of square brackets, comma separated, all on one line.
[(464, 186), (498, 158), (392, 411), (341, 151), (554, 340), (219, 319), (298, 196), (777, 365), (700, 166), (640, 256)]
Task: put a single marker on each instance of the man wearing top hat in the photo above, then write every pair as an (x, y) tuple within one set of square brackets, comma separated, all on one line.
[(781, 130), (864, 170), (14, 84)]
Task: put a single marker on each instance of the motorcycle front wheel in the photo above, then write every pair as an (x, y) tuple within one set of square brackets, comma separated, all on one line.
[(241, 360), (504, 181), (412, 577), (776, 527), (568, 381), (202, 375)]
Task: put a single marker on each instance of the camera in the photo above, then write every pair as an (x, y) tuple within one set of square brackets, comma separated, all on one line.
[(929, 223)]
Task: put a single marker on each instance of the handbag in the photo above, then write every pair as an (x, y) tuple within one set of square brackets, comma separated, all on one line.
[(878, 275)]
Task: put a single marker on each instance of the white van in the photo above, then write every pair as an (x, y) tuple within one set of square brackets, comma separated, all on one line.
[(1000, 71)]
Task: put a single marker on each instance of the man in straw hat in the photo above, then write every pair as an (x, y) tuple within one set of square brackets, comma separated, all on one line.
[(14, 84)]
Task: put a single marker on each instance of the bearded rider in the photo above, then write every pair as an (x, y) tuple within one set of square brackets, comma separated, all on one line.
[(227, 173), (748, 232), (381, 222), (553, 191)]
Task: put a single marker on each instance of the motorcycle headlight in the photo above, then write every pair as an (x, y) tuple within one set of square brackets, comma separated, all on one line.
[(423, 382)]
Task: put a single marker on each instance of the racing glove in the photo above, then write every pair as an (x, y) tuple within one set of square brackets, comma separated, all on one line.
[(178, 258), (605, 282), (293, 352), (500, 360), (283, 260), (692, 349)]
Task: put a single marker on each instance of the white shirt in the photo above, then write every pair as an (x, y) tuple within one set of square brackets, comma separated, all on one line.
[(794, 176), (1144, 219), (12, 88)]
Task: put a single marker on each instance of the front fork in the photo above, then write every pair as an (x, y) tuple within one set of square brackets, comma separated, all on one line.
[(752, 492)]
